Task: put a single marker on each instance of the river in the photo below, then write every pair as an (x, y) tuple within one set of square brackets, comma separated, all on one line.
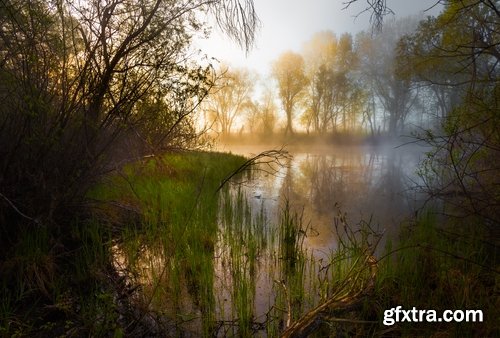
[(328, 187), (365, 183)]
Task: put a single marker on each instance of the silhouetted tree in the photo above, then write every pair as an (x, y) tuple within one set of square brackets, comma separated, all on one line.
[(288, 71), (79, 78)]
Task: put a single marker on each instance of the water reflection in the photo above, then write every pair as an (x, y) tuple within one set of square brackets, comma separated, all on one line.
[(365, 183), (269, 264)]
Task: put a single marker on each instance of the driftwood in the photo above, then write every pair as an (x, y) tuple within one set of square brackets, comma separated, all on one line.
[(309, 322)]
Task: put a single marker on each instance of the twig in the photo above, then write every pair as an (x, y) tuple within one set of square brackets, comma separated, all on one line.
[(272, 156), (13, 206)]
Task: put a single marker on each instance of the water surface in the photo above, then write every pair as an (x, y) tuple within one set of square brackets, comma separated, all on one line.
[(366, 184)]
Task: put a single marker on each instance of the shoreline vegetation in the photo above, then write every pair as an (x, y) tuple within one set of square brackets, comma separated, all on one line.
[(95, 244), (163, 255), (314, 139)]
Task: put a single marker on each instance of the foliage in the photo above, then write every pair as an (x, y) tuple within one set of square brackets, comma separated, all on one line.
[(438, 266), (457, 55), (288, 71), (86, 84), (164, 207), (229, 98)]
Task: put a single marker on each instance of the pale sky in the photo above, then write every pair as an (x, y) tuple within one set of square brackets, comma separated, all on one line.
[(288, 24)]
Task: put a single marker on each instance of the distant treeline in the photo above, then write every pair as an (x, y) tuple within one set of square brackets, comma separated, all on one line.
[(404, 78)]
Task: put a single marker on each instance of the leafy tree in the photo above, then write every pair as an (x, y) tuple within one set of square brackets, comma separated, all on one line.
[(457, 55), (289, 73), (84, 84)]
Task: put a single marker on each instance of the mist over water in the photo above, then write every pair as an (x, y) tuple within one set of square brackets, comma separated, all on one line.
[(365, 183)]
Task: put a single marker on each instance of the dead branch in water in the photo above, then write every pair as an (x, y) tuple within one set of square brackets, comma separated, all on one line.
[(309, 322), (268, 158), (16, 209)]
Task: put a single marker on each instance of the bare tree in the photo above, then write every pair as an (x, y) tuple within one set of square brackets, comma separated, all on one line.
[(238, 19), (229, 98), (378, 10)]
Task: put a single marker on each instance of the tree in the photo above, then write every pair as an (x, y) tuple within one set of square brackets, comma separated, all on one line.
[(80, 81), (394, 94), (347, 88), (319, 54), (333, 94), (229, 97), (262, 115), (457, 54), (288, 71), (378, 10), (79, 78)]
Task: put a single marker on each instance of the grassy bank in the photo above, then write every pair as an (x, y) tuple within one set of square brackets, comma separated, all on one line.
[(159, 208), (170, 253), (163, 255)]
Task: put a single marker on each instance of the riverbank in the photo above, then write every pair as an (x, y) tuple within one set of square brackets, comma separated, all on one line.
[(308, 140), (164, 255), (71, 285)]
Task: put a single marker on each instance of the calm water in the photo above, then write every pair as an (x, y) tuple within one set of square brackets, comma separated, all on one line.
[(373, 184), (250, 271), (370, 184)]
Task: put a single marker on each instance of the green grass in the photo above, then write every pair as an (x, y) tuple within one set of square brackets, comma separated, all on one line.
[(174, 258), (440, 266), (159, 218), (163, 241)]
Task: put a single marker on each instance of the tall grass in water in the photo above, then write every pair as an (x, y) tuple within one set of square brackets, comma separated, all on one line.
[(201, 258), (322, 282), (209, 265), (172, 254), (241, 248), (213, 266), (292, 262), (291, 237)]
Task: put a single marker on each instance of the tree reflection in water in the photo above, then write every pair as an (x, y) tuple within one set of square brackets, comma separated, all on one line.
[(365, 183)]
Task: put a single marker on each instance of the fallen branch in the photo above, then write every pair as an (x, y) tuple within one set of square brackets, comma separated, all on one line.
[(267, 157), (309, 322)]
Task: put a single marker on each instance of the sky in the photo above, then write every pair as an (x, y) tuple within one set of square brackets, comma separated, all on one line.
[(288, 24)]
